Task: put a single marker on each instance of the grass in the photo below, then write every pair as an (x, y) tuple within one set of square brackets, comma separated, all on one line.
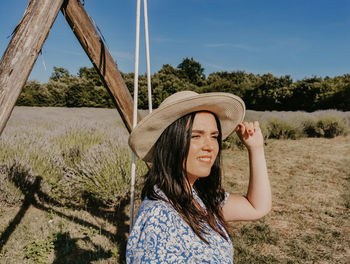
[(309, 222), (64, 186)]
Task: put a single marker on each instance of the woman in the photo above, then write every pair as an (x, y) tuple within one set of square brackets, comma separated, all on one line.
[(184, 214)]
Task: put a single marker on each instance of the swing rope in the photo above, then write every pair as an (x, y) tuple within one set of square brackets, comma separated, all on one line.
[(136, 79)]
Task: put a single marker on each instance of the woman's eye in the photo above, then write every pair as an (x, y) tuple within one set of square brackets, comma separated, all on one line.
[(195, 136)]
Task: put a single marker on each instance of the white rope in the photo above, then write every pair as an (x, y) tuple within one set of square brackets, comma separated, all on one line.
[(147, 57), (136, 79), (133, 164)]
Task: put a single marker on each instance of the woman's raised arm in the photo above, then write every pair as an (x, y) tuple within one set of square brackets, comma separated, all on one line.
[(258, 201)]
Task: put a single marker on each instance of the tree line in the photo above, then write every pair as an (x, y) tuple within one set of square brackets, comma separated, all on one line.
[(259, 92)]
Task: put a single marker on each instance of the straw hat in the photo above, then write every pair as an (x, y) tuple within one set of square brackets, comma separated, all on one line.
[(230, 110)]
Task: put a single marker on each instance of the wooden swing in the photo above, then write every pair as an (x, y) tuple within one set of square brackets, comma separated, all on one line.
[(29, 37)]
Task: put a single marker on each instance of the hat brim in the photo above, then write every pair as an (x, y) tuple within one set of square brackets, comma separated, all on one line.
[(230, 110)]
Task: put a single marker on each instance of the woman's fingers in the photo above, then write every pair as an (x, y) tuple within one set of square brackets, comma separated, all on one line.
[(250, 134), (249, 128), (256, 126), (240, 128)]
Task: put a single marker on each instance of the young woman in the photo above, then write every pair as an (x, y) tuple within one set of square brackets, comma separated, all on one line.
[(184, 214)]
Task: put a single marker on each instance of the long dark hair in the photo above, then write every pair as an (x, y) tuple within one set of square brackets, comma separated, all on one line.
[(168, 173)]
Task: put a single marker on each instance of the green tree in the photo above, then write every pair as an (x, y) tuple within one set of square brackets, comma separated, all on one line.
[(305, 93), (26, 96), (231, 82), (192, 70), (91, 75), (58, 91), (34, 94), (268, 93), (338, 93), (83, 93), (167, 82), (59, 73)]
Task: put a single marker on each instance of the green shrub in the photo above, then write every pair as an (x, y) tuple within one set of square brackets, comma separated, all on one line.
[(280, 129), (331, 127), (309, 128), (327, 126), (101, 176)]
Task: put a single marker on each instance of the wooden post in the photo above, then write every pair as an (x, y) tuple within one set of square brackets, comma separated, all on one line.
[(103, 62), (22, 52)]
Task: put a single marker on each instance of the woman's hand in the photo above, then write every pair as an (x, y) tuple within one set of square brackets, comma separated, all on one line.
[(250, 135)]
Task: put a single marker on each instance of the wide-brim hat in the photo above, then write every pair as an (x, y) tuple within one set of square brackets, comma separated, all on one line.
[(229, 108)]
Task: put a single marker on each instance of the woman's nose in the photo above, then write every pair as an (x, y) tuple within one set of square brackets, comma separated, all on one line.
[(208, 144)]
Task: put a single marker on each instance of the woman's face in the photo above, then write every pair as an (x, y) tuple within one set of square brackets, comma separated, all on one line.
[(204, 146)]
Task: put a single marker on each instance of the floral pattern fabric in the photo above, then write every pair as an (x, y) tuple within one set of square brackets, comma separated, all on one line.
[(160, 235)]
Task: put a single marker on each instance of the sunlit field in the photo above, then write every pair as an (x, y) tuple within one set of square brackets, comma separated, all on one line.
[(65, 176)]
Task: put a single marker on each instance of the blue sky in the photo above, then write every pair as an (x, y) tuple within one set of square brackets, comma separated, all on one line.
[(301, 38)]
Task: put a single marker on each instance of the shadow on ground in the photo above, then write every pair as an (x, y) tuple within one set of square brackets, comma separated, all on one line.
[(66, 248)]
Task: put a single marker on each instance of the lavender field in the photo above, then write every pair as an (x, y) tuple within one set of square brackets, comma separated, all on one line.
[(64, 188)]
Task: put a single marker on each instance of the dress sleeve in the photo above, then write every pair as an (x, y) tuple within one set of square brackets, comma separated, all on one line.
[(154, 239)]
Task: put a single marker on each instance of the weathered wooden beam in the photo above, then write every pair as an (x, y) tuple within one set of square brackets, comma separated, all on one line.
[(102, 60), (22, 52)]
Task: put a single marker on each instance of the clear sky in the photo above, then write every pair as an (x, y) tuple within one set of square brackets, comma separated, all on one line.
[(302, 38)]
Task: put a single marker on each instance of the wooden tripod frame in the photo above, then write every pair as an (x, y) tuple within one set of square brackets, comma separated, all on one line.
[(29, 37)]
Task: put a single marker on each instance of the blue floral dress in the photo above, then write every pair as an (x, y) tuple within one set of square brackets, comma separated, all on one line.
[(160, 235)]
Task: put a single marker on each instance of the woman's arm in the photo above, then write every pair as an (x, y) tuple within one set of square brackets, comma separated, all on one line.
[(258, 202)]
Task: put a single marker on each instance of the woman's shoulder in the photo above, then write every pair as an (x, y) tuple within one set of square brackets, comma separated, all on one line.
[(154, 210), (158, 217)]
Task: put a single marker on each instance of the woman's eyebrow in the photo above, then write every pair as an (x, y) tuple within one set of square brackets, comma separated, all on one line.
[(199, 131)]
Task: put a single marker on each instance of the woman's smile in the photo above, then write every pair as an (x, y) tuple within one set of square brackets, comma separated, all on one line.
[(205, 159)]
